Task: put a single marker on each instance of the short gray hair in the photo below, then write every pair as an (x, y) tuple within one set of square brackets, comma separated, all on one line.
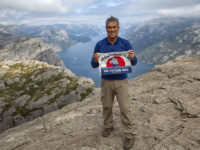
[(112, 19)]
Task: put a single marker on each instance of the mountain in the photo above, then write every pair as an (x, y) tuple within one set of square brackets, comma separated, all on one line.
[(30, 89), (19, 48), (127, 28), (81, 29), (58, 36), (160, 40), (165, 103)]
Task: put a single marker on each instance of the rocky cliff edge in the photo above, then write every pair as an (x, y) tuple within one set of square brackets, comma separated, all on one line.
[(20, 48), (165, 104), (30, 89)]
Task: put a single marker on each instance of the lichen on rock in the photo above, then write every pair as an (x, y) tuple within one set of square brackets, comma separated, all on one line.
[(33, 86)]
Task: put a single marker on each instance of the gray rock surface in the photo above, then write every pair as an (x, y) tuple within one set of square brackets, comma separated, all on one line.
[(30, 89), (165, 104)]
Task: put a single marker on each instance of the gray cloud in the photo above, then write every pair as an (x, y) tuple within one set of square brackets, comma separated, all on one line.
[(160, 8), (158, 4), (44, 6), (193, 11), (24, 11)]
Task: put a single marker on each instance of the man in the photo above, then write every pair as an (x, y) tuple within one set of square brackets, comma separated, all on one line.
[(115, 84)]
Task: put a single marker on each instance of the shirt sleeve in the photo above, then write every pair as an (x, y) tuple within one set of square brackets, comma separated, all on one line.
[(134, 61), (93, 63)]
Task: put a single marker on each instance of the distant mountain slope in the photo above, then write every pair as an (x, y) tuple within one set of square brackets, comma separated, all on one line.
[(160, 40), (58, 36), (19, 48)]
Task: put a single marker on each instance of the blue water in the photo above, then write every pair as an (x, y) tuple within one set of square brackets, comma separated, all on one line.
[(77, 59)]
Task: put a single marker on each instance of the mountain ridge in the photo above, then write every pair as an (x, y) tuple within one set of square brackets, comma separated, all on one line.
[(164, 39), (16, 48), (58, 36)]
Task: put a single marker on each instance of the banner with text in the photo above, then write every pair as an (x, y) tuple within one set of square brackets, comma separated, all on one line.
[(114, 63)]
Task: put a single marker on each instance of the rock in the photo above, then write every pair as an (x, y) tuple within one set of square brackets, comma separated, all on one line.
[(159, 123), (35, 114), (50, 108), (44, 99), (50, 57), (8, 113), (2, 86), (18, 48), (6, 123), (34, 88), (2, 74), (9, 81), (22, 100), (18, 119)]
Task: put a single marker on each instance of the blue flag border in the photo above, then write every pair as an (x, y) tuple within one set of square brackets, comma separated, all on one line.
[(116, 70)]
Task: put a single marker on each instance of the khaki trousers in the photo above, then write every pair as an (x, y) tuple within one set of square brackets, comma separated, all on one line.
[(120, 88)]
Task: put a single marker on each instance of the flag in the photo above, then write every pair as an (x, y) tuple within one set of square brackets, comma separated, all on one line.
[(114, 63)]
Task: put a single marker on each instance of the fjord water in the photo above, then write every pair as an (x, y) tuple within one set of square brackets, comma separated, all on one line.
[(77, 59)]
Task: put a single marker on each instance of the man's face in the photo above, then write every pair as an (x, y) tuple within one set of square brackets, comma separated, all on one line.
[(112, 29)]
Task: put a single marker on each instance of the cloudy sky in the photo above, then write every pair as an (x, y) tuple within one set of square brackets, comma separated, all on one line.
[(93, 11)]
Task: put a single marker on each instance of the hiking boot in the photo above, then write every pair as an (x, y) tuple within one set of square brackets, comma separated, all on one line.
[(106, 132), (128, 143)]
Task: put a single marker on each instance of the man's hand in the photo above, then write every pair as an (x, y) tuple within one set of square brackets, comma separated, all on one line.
[(96, 57), (131, 54)]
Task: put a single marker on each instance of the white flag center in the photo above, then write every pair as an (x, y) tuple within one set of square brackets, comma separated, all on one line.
[(114, 63)]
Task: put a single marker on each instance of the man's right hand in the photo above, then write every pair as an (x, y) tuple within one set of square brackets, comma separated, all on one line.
[(96, 57)]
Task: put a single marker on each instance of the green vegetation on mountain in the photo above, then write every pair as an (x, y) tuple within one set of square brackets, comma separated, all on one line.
[(31, 89), (160, 40)]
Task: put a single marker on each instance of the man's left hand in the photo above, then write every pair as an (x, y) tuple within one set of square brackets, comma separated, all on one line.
[(131, 54)]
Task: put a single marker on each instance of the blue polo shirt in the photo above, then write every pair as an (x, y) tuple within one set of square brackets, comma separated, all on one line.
[(104, 46)]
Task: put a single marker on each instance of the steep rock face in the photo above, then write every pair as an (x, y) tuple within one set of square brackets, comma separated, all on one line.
[(30, 89), (18, 48), (164, 39), (55, 37), (165, 104)]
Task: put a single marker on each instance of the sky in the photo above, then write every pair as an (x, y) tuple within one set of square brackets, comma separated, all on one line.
[(43, 12)]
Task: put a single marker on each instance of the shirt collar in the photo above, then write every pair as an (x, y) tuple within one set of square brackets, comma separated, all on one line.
[(116, 42)]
